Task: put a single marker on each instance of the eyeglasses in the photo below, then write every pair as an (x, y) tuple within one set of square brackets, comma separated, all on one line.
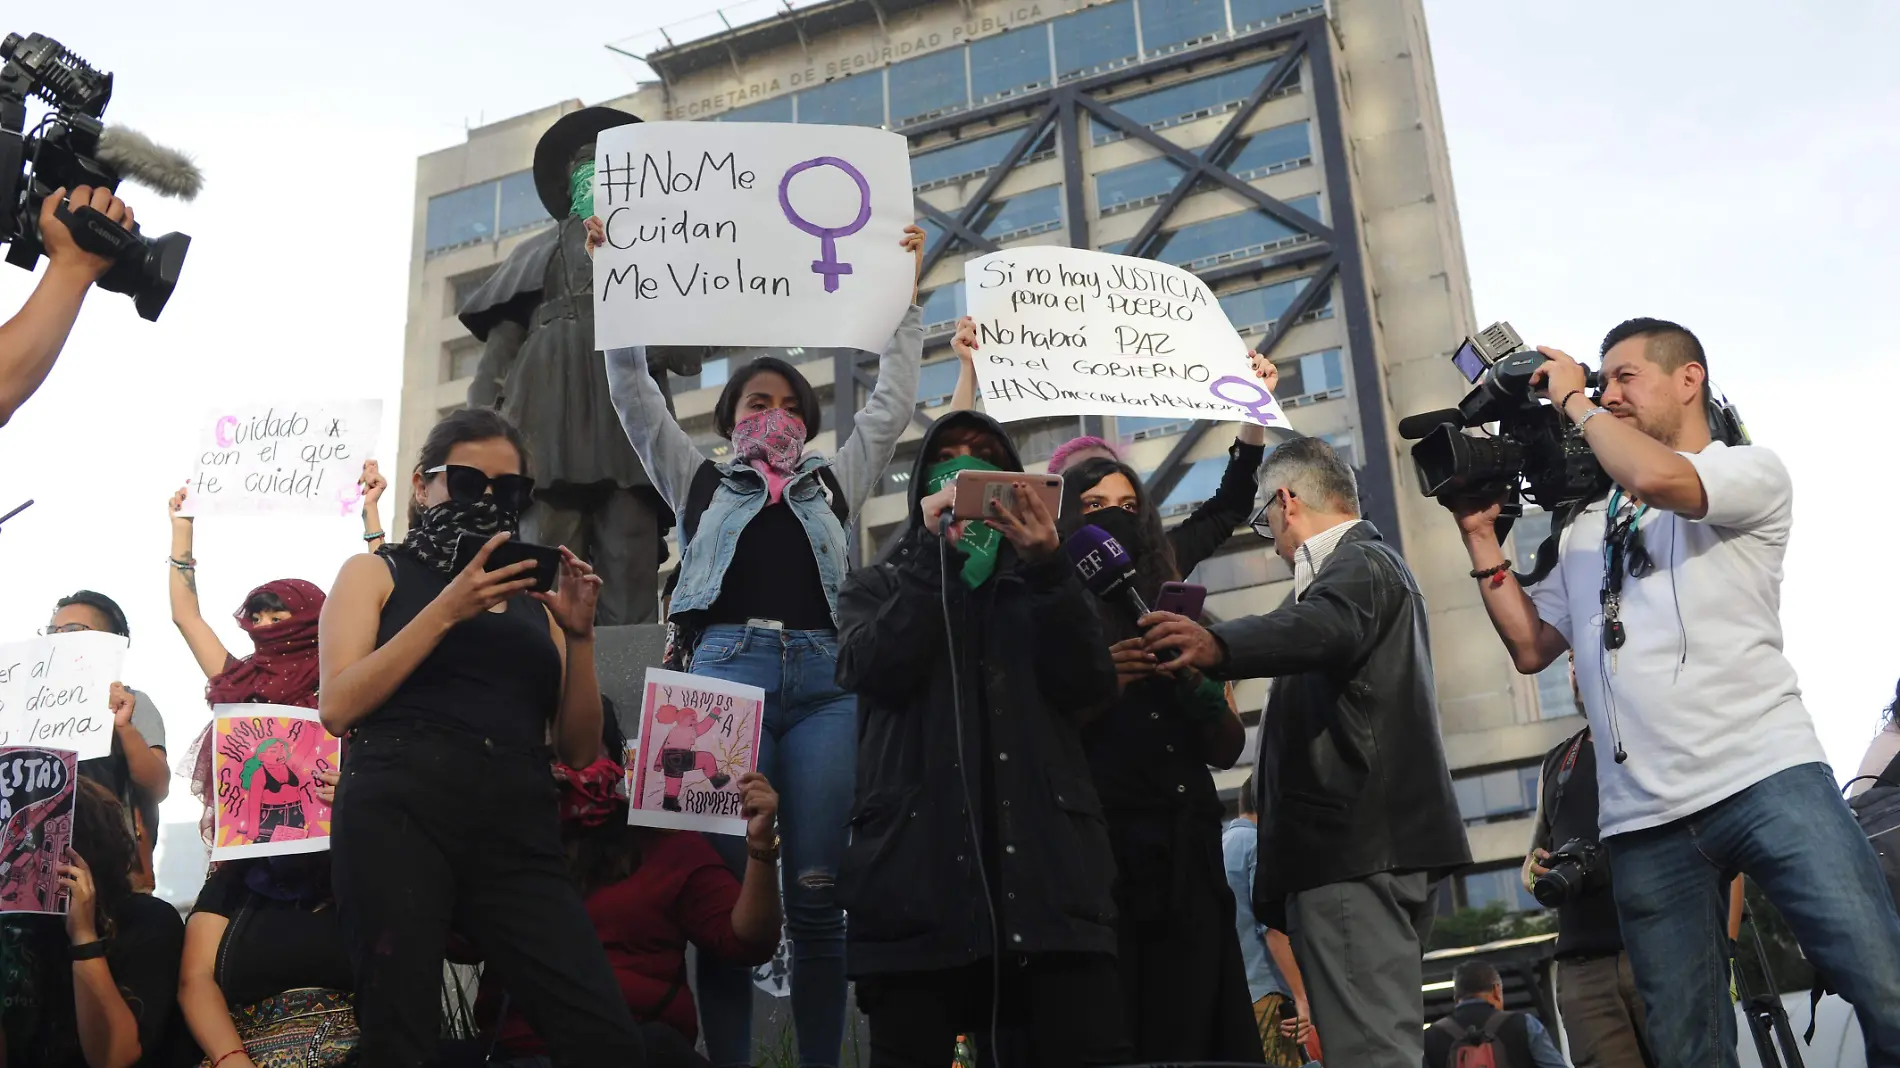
[(64, 628), (1259, 520), (513, 493)]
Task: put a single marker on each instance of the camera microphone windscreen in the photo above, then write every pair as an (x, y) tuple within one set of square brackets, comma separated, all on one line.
[(1105, 567), (1414, 427), (165, 171)]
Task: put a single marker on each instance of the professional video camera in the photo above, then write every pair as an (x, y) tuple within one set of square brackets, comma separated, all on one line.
[(71, 147), (1576, 869)]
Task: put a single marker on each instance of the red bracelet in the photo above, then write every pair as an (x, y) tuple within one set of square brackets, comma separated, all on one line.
[(227, 1056)]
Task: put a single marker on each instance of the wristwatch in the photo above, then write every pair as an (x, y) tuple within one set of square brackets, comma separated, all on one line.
[(1591, 414), (764, 856)]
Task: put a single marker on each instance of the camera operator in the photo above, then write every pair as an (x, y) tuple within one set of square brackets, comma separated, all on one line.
[(1708, 764), (31, 340)]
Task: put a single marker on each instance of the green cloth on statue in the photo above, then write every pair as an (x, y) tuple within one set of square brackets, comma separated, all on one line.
[(981, 542), (581, 191)]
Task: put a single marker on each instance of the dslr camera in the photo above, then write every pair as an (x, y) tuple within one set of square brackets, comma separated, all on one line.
[(71, 146), (1579, 868)]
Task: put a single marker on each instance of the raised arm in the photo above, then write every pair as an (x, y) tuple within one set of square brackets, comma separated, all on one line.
[(373, 484), (887, 411), (965, 346), (31, 340), (1533, 643), (203, 642)]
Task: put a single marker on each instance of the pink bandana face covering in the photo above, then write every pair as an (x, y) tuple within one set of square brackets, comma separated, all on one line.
[(770, 442)]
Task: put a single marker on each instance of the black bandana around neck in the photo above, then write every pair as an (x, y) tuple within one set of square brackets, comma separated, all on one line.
[(433, 540)]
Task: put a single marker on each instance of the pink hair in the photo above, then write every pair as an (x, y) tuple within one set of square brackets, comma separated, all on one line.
[(1060, 458)]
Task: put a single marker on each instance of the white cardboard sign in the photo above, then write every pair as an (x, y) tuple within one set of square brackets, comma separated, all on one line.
[(54, 691), (283, 457), (764, 233), (1068, 331)]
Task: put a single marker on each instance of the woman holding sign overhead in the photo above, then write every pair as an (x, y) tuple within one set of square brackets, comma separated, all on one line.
[(758, 601), (450, 681)]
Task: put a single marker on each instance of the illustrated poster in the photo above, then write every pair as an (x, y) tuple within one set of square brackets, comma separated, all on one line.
[(36, 826), (697, 736), (267, 796)]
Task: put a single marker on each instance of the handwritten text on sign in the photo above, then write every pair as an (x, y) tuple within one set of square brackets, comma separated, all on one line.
[(54, 691), (698, 735), (725, 233), (1066, 331), (283, 458)]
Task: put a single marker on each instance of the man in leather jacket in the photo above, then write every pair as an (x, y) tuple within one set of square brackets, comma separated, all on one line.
[(1363, 820)]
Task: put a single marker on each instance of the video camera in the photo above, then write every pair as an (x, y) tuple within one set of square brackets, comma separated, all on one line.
[(1536, 452), (1577, 869), (70, 147)]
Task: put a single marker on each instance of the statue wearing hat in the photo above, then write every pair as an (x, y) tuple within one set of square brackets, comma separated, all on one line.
[(535, 319)]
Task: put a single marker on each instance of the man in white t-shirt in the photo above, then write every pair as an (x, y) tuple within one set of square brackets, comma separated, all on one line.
[(1669, 592)]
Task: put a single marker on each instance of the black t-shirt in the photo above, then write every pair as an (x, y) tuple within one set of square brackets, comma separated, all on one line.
[(36, 971), (271, 946), (1587, 926), (773, 575)]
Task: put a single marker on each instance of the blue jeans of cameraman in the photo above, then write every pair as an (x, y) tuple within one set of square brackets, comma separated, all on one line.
[(1794, 836), (808, 747)]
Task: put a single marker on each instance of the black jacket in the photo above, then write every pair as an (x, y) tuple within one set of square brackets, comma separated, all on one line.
[(1201, 534), (1358, 780), (1031, 662)]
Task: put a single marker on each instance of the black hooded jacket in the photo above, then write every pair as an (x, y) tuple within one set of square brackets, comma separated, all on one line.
[(1030, 664)]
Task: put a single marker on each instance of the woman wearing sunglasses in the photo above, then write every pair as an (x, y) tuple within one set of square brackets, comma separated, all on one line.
[(764, 535), (450, 684), (1183, 980)]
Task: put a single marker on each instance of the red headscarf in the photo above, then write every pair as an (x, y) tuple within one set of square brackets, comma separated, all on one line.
[(590, 795)]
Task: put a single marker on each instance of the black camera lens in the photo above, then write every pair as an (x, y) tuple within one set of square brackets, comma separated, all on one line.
[(148, 272), (1451, 462), (1556, 887)]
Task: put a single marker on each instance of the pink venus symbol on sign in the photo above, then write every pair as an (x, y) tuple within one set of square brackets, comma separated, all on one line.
[(827, 263)]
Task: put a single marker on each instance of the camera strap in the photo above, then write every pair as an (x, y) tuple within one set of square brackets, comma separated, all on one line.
[(1563, 772)]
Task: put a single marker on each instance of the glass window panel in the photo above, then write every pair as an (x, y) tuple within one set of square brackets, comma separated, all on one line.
[(943, 304), (1503, 885), (1231, 237), (464, 354), (1034, 212), (1256, 308), (1136, 184), (1197, 484), (1555, 698), (973, 158), (1094, 40), (777, 109), (1115, 247), (1470, 795), (1144, 428), (520, 204), (1344, 447), (936, 382), (1187, 101), (857, 101), (461, 218), (928, 85), (1168, 24), (1321, 372), (1009, 63), (1268, 151), (1235, 571), (1251, 14)]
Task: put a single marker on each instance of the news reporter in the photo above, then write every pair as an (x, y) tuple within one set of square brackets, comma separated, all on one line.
[(1362, 820), (450, 685), (31, 340), (1708, 763)]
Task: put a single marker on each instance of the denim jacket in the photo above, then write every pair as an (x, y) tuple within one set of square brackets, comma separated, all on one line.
[(671, 459)]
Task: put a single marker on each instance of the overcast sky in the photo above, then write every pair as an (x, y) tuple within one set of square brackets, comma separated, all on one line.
[(1728, 165)]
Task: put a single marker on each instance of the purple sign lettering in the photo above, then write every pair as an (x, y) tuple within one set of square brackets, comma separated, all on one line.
[(827, 262)]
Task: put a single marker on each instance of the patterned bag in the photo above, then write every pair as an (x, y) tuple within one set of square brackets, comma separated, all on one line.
[(308, 1028)]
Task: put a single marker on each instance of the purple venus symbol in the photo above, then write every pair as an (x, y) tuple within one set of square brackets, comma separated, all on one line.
[(827, 262), (1258, 401)]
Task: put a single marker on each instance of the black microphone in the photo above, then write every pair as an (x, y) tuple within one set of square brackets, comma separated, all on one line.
[(1414, 427), (1106, 568)]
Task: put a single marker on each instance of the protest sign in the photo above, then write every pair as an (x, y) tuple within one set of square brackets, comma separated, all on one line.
[(36, 826), (55, 691), (283, 458), (697, 736), (262, 761), (732, 233), (1069, 331)]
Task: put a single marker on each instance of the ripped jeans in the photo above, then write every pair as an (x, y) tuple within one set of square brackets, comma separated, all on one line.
[(808, 748)]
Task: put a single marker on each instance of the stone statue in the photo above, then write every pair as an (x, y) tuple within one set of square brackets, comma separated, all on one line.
[(535, 319)]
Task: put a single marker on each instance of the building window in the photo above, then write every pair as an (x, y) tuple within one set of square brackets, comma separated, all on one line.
[(1185, 102), (1145, 428), (928, 86), (1254, 14), (1009, 63), (1172, 25), (521, 207), (1281, 148), (943, 306), (1197, 484), (459, 358), (937, 382), (1233, 237), (1036, 442), (1254, 311), (1495, 796), (1499, 885), (1034, 212), (1137, 185), (463, 286), (464, 217), (1344, 445), (852, 101), (974, 158), (1094, 40), (777, 109), (712, 375), (1316, 376), (1239, 570)]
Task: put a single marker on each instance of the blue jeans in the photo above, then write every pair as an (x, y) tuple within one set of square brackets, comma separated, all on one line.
[(1795, 837), (809, 749)]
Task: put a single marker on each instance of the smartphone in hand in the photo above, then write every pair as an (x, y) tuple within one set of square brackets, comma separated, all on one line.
[(547, 558), (976, 489), (1182, 598)]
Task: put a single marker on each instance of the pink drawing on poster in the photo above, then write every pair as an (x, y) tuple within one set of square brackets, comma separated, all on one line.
[(267, 793), (697, 738), (36, 826)]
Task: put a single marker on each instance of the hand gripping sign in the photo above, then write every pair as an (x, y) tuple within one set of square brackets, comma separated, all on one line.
[(709, 229)]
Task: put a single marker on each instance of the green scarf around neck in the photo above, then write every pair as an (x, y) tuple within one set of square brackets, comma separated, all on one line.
[(981, 542), (581, 191)]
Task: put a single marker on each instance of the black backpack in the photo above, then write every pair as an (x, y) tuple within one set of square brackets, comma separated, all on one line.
[(1877, 810)]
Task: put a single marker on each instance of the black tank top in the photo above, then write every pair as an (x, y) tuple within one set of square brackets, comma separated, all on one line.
[(497, 675)]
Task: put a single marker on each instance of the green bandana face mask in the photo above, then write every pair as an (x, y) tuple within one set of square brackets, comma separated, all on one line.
[(981, 541), (581, 191)]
